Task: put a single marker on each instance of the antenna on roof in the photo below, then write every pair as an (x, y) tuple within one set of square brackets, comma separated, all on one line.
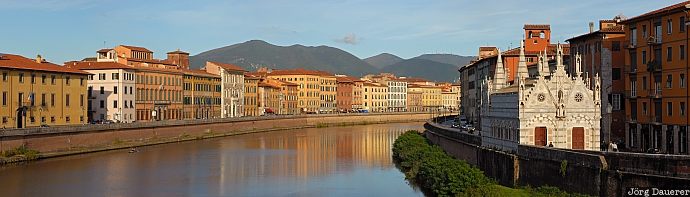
[(104, 44)]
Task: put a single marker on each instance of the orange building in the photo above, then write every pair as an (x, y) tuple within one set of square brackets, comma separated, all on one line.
[(603, 54), (345, 93), (656, 85), (251, 95)]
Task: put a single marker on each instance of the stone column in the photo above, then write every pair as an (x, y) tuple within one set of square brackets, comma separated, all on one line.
[(638, 136), (675, 148), (663, 139)]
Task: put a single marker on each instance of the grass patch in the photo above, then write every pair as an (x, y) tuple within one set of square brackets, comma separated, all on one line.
[(437, 172), (22, 151)]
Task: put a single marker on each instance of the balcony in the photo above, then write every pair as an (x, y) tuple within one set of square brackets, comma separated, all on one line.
[(656, 92), (654, 40), (654, 66), (633, 69)]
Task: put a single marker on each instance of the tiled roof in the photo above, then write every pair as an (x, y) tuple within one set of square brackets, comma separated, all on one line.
[(264, 84), (228, 66), (300, 71), (198, 73), (160, 70), (96, 65), (136, 48), (665, 10), (348, 79), (537, 26), (104, 50), (178, 52), (19, 62), (152, 61), (551, 50), (374, 84), (618, 29), (487, 48)]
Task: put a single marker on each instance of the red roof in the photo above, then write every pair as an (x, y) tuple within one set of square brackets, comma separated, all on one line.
[(300, 71), (104, 50), (96, 65), (537, 26), (178, 52), (19, 62), (198, 73), (665, 10), (136, 48), (228, 66), (551, 50), (618, 29)]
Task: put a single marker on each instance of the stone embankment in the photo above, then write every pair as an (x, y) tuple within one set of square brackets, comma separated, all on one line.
[(61, 141)]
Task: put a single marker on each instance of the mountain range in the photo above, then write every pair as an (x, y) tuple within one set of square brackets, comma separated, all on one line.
[(253, 54)]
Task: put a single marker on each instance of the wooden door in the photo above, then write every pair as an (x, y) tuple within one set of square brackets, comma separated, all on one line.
[(540, 136), (578, 138)]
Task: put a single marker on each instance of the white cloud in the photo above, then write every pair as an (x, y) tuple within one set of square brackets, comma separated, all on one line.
[(349, 39)]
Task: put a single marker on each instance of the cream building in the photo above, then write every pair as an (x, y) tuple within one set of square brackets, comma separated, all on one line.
[(375, 97), (554, 108), (111, 90), (232, 88)]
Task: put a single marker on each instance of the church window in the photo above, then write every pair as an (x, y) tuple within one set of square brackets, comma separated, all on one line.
[(578, 97)]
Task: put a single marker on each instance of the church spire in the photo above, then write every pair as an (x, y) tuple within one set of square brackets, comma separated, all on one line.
[(522, 72), (499, 73), (546, 70)]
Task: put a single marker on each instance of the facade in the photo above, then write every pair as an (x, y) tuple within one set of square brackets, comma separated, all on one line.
[(603, 54), (111, 91), (456, 88), (375, 97), (397, 95), (269, 97), (36, 92), (202, 94), (309, 87), (448, 100), (559, 109), (232, 88), (329, 92), (251, 95), (657, 95), (414, 98), (289, 98), (431, 97), (537, 41), (345, 96)]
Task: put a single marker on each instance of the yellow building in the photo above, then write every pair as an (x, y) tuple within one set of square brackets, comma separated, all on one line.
[(36, 92), (309, 98), (328, 89), (251, 95), (201, 94), (289, 98), (448, 100), (269, 97), (375, 97), (431, 97)]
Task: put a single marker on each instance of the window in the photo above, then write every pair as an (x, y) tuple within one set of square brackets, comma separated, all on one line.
[(616, 45), (67, 79), (616, 74), (81, 82), (43, 100), (616, 101), (682, 108), (33, 79), (644, 83), (669, 81), (43, 79), (681, 24), (115, 90), (52, 79), (644, 108), (21, 77), (4, 76), (669, 26), (633, 36), (102, 104), (52, 100), (669, 54), (101, 76), (669, 109), (115, 104), (682, 52), (116, 76), (644, 57), (102, 90), (81, 100), (633, 60), (125, 89), (4, 98), (67, 100), (682, 80)]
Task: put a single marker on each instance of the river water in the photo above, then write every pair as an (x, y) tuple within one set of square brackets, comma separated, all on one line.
[(335, 161)]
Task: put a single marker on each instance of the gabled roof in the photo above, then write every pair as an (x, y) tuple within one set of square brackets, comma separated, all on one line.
[(228, 66), (136, 48), (178, 52), (19, 62), (96, 65)]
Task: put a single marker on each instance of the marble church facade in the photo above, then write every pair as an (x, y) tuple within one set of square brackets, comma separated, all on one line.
[(550, 108)]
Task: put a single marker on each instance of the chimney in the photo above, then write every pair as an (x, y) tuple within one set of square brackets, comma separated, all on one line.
[(591, 27), (39, 59)]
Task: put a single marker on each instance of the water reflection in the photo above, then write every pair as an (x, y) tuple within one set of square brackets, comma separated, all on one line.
[(342, 161)]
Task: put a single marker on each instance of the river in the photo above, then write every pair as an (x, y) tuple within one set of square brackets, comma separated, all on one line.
[(334, 161)]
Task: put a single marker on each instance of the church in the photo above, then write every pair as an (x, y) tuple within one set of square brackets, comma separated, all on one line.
[(546, 109)]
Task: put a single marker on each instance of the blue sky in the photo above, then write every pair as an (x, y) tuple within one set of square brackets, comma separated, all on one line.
[(63, 30)]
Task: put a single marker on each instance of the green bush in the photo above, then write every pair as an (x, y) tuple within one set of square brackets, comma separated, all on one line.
[(434, 170)]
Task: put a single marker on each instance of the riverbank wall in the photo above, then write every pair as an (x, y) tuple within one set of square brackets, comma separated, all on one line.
[(60, 141), (594, 173)]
